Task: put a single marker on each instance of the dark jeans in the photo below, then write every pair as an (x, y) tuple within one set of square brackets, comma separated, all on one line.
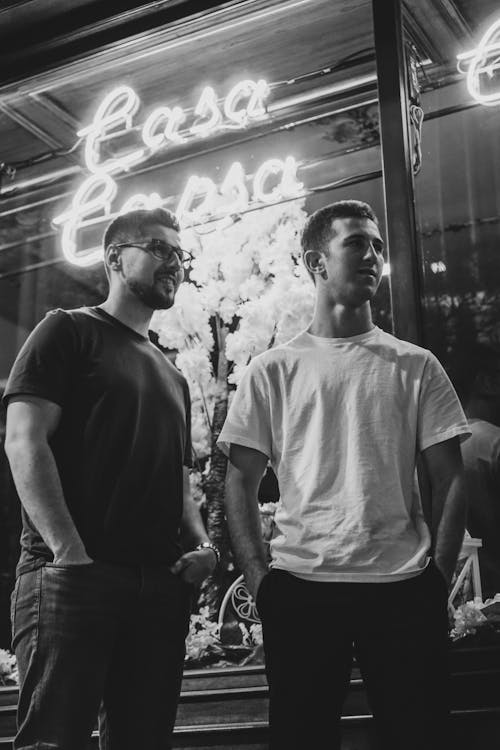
[(98, 636), (399, 633)]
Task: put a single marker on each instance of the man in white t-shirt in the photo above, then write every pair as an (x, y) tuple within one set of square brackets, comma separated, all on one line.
[(342, 412)]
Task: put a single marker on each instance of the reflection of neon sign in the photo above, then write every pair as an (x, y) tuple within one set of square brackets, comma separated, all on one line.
[(201, 200), (483, 61)]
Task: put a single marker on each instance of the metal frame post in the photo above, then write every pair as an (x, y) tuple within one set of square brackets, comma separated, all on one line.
[(397, 169)]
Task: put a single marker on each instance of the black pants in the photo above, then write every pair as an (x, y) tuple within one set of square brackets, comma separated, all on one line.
[(98, 635), (399, 633)]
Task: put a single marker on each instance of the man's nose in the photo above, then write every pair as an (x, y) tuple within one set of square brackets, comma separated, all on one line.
[(370, 251), (172, 262)]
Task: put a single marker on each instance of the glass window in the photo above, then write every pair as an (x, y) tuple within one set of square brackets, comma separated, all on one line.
[(222, 118), (190, 100), (457, 204), (458, 217)]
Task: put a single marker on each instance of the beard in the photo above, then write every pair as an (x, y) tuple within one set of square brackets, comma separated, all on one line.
[(159, 295)]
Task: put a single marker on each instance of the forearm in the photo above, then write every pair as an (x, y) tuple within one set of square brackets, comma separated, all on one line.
[(449, 504), (39, 488), (243, 519), (194, 565), (193, 530)]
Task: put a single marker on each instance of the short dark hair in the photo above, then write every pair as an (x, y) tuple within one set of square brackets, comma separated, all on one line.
[(318, 230), (136, 223)]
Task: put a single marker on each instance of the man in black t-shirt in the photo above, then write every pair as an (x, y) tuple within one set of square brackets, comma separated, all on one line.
[(98, 440)]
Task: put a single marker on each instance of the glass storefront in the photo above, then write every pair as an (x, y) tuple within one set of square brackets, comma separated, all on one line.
[(235, 120), (458, 201), (189, 102), (225, 118)]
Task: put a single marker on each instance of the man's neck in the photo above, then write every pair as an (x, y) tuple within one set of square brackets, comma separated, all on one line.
[(340, 321), (130, 312)]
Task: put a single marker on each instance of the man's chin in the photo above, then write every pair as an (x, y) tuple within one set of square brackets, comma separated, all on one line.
[(160, 301), (366, 294), (155, 299), (164, 304)]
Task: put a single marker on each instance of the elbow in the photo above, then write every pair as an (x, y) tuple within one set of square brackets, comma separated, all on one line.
[(13, 445), (18, 445)]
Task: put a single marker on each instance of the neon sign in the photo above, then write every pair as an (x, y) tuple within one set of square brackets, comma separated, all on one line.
[(483, 63), (114, 119), (201, 200)]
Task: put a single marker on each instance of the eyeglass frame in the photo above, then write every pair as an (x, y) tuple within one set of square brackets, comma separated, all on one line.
[(183, 256)]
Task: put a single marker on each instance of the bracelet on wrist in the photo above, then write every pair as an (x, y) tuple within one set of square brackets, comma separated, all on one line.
[(212, 546)]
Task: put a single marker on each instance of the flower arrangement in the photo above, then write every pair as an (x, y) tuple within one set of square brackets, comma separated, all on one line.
[(474, 615), (8, 668), (247, 292), (203, 639), (205, 644)]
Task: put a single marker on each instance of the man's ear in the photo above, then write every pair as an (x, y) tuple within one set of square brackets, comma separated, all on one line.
[(314, 261), (112, 257)]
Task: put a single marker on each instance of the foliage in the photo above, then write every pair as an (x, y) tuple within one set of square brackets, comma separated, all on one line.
[(247, 292), (474, 615), (8, 668), (204, 645), (203, 639)]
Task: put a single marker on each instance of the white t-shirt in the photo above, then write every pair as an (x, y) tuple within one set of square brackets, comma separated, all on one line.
[(342, 420)]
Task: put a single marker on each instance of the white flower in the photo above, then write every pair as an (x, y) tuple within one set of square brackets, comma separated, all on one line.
[(8, 668), (228, 308), (201, 436), (251, 637), (467, 618), (256, 634), (195, 365), (203, 637), (252, 287), (248, 277), (187, 319)]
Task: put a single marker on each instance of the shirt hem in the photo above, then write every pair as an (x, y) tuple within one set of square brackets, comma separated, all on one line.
[(225, 441), (354, 577), (462, 430), (31, 391)]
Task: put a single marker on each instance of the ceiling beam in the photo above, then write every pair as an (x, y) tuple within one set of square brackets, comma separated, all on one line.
[(25, 122), (73, 34), (436, 27)]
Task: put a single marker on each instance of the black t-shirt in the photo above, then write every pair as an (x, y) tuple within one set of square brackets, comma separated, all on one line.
[(123, 437)]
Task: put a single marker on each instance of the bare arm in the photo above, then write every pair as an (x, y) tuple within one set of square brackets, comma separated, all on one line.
[(196, 565), (31, 422), (244, 474), (443, 463)]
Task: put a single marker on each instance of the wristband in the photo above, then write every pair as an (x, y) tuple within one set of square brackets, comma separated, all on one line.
[(209, 545)]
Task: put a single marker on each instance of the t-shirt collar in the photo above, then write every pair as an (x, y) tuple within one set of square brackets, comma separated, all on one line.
[(118, 323), (360, 338)]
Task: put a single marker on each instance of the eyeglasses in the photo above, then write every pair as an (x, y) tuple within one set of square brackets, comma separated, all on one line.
[(162, 251)]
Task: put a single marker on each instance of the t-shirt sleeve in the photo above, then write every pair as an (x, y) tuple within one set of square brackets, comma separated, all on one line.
[(248, 421), (440, 414), (44, 364), (188, 447)]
